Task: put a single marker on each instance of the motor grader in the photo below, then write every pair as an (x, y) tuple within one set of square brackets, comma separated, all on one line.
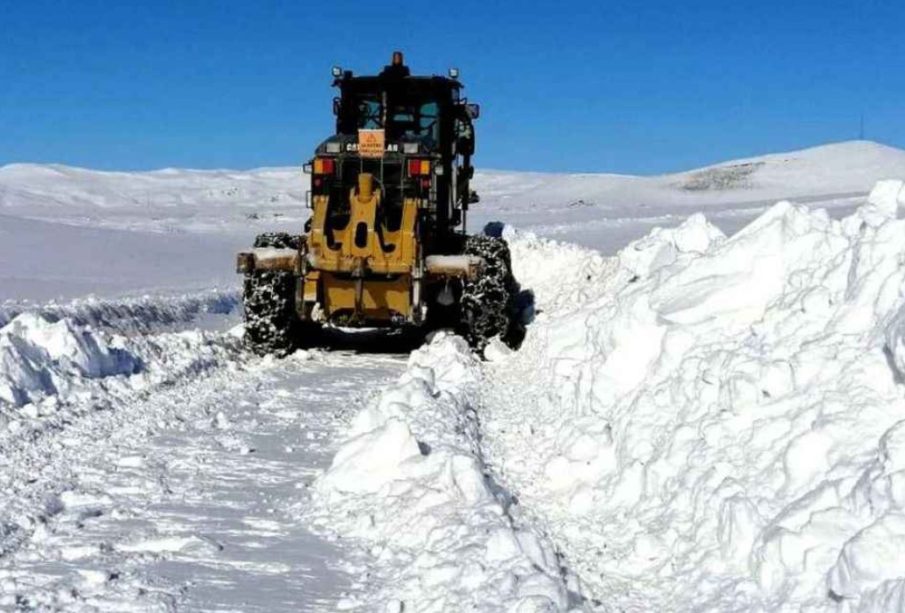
[(385, 244)]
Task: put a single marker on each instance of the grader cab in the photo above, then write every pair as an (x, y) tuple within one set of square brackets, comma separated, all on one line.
[(385, 245)]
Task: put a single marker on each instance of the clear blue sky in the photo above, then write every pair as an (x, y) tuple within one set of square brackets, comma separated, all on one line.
[(642, 87)]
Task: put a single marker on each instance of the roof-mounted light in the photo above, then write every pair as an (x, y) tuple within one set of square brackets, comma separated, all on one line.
[(397, 58), (453, 73), (337, 71)]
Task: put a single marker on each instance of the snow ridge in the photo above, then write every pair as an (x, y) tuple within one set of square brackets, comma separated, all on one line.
[(133, 314), (410, 484)]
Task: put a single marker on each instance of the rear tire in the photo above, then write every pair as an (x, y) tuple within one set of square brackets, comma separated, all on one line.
[(487, 304), (272, 326)]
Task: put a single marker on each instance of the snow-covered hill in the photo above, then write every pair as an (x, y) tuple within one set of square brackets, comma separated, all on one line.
[(168, 213), (597, 210), (824, 171)]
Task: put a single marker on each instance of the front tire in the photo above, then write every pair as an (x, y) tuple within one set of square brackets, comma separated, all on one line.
[(272, 326)]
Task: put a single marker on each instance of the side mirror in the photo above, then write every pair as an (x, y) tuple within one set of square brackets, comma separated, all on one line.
[(465, 145), (336, 105), (473, 110)]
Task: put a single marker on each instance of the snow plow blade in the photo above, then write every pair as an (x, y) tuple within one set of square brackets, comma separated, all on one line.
[(267, 259), (287, 260), (462, 266)]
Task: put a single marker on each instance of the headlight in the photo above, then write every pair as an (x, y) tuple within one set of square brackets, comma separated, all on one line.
[(409, 148), (333, 147)]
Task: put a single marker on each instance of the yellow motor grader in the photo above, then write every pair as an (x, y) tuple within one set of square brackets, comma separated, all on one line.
[(385, 245)]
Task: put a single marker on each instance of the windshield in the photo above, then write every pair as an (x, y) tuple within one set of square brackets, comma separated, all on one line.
[(407, 119), (414, 120), (369, 113)]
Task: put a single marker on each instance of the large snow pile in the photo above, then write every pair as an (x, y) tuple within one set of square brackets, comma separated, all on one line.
[(40, 358), (410, 483), (717, 423)]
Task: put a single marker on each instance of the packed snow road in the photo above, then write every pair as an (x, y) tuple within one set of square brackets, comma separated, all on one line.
[(176, 486)]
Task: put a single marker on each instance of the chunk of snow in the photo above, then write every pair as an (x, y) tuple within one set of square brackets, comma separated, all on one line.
[(870, 557), (883, 202), (39, 358), (369, 461)]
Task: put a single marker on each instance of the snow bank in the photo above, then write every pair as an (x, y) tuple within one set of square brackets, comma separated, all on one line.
[(134, 314), (410, 485), (713, 423), (39, 358)]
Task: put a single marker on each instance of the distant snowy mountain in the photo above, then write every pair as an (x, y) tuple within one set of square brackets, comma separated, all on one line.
[(168, 213), (161, 200), (833, 169), (829, 170), (840, 167), (594, 209)]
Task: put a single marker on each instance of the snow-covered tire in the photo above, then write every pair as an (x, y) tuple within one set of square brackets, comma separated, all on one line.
[(487, 302), (271, 324)]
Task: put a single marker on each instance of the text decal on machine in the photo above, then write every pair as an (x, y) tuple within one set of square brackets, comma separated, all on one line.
[(371, 143)]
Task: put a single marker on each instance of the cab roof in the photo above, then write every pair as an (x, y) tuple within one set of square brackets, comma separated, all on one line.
[(396, 75)]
